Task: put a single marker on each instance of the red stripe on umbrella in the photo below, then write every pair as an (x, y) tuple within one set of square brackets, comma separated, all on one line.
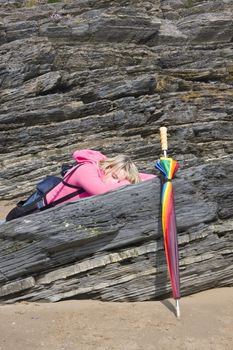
[(168, 168)]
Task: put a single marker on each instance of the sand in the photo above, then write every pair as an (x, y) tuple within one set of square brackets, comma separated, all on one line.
[(5, 207), (206, 323)]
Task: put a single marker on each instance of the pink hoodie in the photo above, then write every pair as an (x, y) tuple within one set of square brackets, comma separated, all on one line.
[(88, 176)]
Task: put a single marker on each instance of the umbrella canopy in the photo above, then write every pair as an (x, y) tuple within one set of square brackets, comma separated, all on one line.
[(168, 168)]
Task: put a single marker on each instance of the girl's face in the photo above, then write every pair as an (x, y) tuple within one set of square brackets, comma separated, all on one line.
[(115, 177)]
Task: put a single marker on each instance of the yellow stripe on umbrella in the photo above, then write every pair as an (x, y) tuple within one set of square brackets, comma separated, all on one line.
[(168, 167)]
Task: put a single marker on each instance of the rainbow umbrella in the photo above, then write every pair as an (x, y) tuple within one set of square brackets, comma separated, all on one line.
[(168, 167)]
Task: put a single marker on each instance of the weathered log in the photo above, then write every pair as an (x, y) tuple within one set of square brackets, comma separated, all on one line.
[(110, 247)]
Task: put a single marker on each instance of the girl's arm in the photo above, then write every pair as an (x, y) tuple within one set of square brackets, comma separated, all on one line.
[(144, 176), (87, 177)]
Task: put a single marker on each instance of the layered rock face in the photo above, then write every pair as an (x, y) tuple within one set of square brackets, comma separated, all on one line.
[(106, 75)]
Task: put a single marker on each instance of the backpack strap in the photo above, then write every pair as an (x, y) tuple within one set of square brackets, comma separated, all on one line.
[(67, 176), (68, 196), (69, 185), (62, 199)]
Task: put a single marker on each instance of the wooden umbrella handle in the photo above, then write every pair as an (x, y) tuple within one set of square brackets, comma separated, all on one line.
[(163, 139)]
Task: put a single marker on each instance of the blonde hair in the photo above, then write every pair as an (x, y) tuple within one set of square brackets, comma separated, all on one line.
[(118, 163)]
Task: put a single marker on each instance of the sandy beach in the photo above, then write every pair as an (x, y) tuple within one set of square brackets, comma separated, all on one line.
[(5, 207), (206, 323)]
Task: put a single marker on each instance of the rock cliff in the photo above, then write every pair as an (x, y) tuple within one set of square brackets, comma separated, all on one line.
[(106, 75)]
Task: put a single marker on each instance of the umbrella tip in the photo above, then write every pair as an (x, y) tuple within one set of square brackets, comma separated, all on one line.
[(177, 309)]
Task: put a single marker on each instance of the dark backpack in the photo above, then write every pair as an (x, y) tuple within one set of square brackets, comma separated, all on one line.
[(37, 200)]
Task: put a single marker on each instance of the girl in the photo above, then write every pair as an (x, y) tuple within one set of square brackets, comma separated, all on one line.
[(97, 174), (94, 174)]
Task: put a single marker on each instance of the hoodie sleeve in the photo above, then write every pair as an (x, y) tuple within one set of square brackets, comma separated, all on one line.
[(145, 177), (87, 177)]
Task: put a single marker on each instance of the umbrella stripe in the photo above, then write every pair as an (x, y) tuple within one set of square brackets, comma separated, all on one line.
[(172, 254), (168, 167)]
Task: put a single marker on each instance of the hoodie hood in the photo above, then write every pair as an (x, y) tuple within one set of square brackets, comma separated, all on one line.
[(88, 156)]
